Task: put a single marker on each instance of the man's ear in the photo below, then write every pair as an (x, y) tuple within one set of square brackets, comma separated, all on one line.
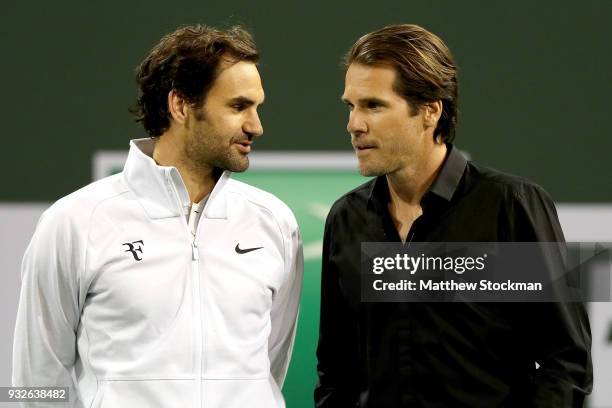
[(178, 107), (432, 112)]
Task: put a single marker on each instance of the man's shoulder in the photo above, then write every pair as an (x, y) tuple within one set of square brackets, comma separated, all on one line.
[(262, 199), (499, 182), (353, 199), (81, 203)]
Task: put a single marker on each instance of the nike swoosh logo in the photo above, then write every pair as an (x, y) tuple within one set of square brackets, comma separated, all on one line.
[(244, 251)]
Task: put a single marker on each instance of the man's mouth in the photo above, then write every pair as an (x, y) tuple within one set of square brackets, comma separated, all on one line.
[(244, 146), (363, 147)]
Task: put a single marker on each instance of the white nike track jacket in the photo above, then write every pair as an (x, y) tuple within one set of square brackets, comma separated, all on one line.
[(124, 305)]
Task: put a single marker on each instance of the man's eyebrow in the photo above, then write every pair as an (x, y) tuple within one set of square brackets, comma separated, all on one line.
[(243, 100), (372, 99), (366, 101)]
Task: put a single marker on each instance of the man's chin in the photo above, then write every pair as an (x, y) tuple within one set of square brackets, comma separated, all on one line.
[(370, 171), (238, 165)]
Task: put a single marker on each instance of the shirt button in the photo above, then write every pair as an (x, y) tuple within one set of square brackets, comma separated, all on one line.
[(404, 370), (403, 348), (407, 400), (404, 360), (403, 334)]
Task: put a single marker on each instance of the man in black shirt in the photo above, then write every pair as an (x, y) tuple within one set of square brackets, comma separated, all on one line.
[(401, 90)]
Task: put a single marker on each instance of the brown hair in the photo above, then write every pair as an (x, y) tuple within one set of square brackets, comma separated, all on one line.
[(425, 68), (186, 61)]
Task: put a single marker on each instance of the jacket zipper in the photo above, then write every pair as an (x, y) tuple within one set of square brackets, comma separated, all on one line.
[(195, 257), (199, 335)]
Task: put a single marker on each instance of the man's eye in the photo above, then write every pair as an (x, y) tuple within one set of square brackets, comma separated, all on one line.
[(350, 107), (373, 105), (238, 107)]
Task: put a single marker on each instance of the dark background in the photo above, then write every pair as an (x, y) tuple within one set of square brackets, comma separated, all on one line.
[(534, 82)]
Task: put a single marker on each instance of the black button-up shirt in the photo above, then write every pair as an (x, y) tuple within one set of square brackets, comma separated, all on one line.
[(446, 354)]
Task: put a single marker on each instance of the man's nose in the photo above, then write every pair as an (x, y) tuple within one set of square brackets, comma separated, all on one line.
[(253, 126), (356, 125)]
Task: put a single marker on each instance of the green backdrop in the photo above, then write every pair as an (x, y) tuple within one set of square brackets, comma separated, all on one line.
[(534, 81)]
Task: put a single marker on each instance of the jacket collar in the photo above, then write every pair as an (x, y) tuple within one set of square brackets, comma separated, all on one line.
[(161, 190)]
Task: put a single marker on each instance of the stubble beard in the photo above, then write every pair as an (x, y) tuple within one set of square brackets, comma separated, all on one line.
[(205, 150), (372, 168), (369, 171)]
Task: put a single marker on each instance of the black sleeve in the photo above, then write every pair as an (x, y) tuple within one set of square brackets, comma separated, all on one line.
[(559, 334), (338, 348)]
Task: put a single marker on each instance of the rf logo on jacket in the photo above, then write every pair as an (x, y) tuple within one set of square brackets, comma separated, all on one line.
[(134, 247)]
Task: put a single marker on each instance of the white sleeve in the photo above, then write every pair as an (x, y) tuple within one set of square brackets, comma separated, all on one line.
[(44, 347), (285, 310)]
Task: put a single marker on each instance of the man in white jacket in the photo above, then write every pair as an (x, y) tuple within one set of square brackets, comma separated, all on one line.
[(169, 284)]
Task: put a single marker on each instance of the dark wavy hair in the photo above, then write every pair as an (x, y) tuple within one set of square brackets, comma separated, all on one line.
[(426, 70), (186, 61)]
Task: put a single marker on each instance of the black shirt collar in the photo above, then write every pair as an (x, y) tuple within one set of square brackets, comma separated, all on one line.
[(452, 169), (444, 186)]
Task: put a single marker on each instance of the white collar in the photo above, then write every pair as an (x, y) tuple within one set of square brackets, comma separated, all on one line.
[(157, 187)]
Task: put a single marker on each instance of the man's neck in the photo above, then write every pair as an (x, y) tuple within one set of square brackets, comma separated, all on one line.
[(408, 186), (168, 151)]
